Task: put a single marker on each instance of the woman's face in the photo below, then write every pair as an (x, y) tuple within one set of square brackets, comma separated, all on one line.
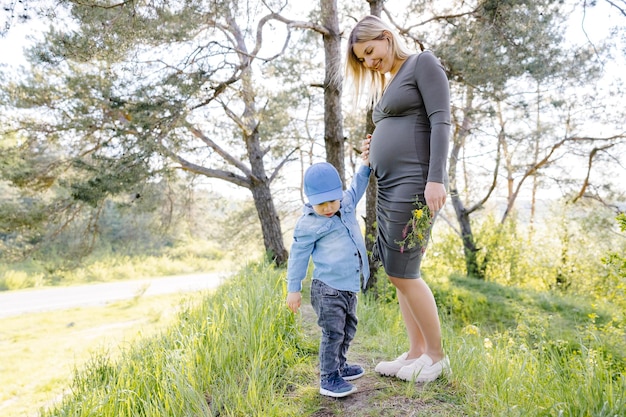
[(376, 54)]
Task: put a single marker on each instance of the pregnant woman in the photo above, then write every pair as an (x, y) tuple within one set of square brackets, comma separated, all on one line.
[(408, 152)]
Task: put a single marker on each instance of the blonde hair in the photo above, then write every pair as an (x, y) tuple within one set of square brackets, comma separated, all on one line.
[(371, 28)]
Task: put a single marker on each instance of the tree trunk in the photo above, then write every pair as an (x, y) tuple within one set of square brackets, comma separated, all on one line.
[(270, 223), (469, 246), (370, 215), (333, 118), (259, 181), (462, 214), (376, 7), (535, 186), (371, 231), (262, 195)]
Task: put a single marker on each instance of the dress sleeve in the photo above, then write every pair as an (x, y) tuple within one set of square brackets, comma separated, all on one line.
[(433, 85)]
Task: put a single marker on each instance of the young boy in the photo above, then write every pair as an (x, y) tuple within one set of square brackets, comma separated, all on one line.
[(328, 232)]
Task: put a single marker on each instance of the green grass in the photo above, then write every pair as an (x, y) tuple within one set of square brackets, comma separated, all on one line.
[(516, 352), (240, 352), (40, 351), (229, 356), (107, 267)]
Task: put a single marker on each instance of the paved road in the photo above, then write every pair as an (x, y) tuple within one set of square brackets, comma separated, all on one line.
[(14, 303)]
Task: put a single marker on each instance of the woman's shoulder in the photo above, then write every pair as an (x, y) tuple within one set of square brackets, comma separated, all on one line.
[(427, 56), (427, 62)]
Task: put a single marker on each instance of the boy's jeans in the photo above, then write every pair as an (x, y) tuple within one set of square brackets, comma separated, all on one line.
[(336, 315)]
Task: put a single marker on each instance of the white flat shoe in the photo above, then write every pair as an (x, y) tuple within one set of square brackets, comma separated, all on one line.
[(391, 368), (424, 370)]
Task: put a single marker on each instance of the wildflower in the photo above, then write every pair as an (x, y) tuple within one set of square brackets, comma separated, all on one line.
[(417, 229), (488, 344), (470, 329)]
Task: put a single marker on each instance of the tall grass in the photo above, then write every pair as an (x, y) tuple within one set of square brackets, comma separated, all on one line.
[(518, 352), (514, 352), (228, 357)]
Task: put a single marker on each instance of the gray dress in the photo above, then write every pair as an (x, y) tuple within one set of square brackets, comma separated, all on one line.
[(409, 147)]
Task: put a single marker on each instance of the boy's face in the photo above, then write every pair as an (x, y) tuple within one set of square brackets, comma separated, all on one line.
[(327, 209)]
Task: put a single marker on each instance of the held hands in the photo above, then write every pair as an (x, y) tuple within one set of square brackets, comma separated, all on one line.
[(294, 300), (365, 150)]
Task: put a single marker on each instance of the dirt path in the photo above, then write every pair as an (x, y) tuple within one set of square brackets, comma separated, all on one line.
[(377, 395), (13, 303)]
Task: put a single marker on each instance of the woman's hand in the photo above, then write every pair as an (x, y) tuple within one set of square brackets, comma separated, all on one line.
[(435, 195)]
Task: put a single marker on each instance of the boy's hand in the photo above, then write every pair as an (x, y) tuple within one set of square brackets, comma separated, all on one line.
[(294, 300), (365, 150)]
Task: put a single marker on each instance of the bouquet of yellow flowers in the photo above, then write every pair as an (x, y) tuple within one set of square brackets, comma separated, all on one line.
[(416, 231)]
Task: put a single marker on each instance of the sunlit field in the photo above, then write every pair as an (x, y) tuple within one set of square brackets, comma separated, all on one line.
[(239, 352), (41, 351)]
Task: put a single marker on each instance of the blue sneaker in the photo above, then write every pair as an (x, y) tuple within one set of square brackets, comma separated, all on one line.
[(351, 372), (333, 385)]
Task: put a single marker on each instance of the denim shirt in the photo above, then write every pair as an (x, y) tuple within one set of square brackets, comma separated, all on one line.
[(336, 244)]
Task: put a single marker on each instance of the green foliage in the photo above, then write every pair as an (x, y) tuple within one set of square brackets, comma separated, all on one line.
[(54, 228), (108, 177), (612, 285), (621, 220), (240, 230), (502, 40), (17, 280), (516, 352), (501, 256), (24, 166), (234, 355), (444, 255), (574, 250), (106, 266)]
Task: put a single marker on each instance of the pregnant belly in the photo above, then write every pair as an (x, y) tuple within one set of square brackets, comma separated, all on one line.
[(394, 158), (390, 139)]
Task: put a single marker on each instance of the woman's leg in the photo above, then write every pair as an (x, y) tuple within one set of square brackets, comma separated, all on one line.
[(421, 318), (417, 344)]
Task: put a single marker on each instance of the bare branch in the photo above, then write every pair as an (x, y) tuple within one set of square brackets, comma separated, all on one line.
[(494, 181), (406, 31), (622, 9), (213, 173), (221, 152), (302, 25), (103, 6), (532, 170), (259, 38), (585, 184), (219, 88), (283, 162)]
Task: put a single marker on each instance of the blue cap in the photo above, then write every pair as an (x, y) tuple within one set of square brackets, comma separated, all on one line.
[(322, 183)]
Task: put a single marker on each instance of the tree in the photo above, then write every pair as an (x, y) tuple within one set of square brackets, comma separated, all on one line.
[(138, 89), (376, 8), (493, 53), (333, 120), (161, 78)]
